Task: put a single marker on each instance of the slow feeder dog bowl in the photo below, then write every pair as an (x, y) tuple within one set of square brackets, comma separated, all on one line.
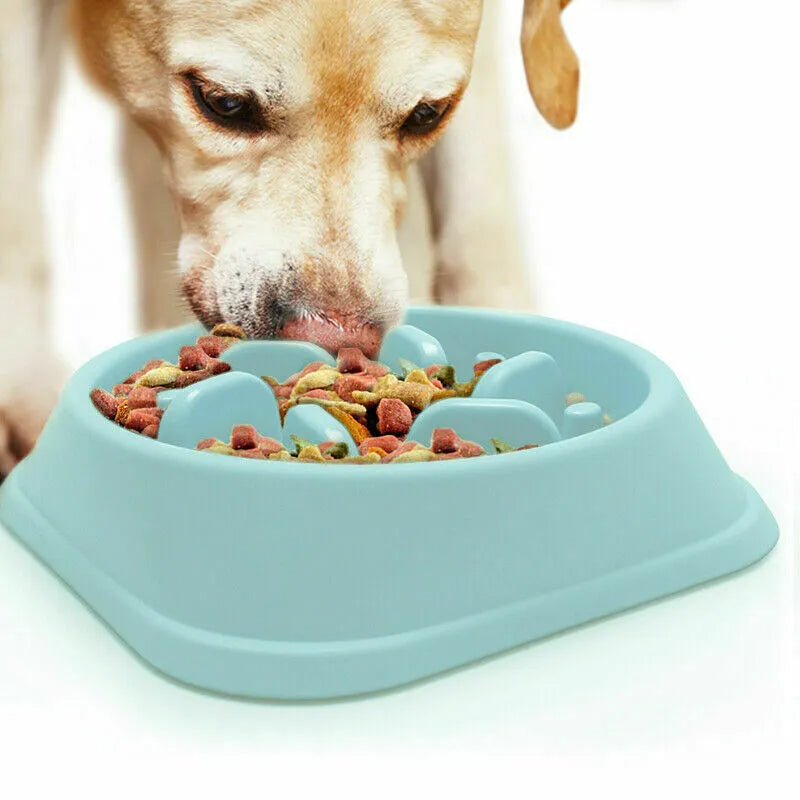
[(314, 580)]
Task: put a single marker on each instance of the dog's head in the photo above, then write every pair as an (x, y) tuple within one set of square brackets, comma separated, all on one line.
[(286, 128)]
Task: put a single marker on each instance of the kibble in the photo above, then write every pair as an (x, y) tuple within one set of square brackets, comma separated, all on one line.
[(192, 357), (105, 403), (244, 437), (142, 397), (444, 440), (375, 406), (386, 443), (132, 403), (394, 417)]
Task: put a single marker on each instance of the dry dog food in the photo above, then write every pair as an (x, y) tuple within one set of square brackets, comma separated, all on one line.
[(445, 444), (376, 407), (132, 403)]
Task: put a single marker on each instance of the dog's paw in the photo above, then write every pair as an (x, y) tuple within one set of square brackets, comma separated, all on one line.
[(25, 405)]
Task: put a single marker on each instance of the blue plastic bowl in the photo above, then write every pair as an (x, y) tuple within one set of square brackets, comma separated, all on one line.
[(281, 580)]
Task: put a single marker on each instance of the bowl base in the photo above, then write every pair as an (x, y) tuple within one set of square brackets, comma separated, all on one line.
[(326, 669)]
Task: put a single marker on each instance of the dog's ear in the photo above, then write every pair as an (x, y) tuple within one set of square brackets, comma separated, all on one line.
[(551, 65)]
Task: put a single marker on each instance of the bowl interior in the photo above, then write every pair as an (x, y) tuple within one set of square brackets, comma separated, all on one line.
[(612, 373)]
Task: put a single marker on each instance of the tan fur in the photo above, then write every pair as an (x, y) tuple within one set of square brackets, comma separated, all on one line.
[(350, 69), (551, 65)]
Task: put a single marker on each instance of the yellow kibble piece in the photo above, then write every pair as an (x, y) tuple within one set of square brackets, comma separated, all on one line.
[(367, 458), (165, 375), (354, 409), (465, 389), (414, 395), (574, 397), (386, 380), (227, 330), (607, 419), (322, 378), (281, 455), (310, 453), (123, 412), (219, 447), (416, 455), (418, 376), (442, 394), (367, 399)]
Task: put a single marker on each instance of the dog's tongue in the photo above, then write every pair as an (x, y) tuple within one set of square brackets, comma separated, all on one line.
[(335, 335)]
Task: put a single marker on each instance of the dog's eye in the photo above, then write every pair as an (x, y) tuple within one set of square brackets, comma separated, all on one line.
[(235, 111), (225, 105), (424, 118)]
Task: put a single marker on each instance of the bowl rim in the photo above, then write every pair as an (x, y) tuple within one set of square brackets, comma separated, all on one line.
[(661, 388)]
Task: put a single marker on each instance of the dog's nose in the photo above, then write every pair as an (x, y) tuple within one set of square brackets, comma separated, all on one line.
[(334, 331)]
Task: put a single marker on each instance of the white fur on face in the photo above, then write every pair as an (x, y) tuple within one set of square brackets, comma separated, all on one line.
[(302, 218)]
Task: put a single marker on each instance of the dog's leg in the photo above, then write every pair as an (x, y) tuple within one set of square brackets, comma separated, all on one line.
[(478, 249), (157, 231), (30, 375)]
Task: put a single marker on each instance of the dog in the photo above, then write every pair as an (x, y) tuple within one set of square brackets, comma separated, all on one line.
[(304, 143)]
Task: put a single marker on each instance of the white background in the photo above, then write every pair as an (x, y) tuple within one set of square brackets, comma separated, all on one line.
[(667, 215)]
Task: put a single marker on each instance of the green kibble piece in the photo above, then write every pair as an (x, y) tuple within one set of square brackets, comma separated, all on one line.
[(338, 450), (300, 442), (447, 375), (501, 446)]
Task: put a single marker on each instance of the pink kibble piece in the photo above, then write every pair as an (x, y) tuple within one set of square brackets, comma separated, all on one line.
[(252, 452), (151, 431), (375, 369), (142, 397), (394, 416), (347, 384), (134, 376), (403, 448), (433, 368), (212, 345), (387, 443), (139, 419), (122, 389), (206, 443), (104, 402), (444, 440), (351, 359), (244, 437), (152, 364), (269, 446), (192, 357), (311, 367), (188, 378), (282, 391), (470, 450), (217, 367), (482, 366)]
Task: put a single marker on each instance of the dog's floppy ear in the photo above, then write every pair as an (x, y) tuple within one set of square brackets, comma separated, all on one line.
[(551, 65)]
